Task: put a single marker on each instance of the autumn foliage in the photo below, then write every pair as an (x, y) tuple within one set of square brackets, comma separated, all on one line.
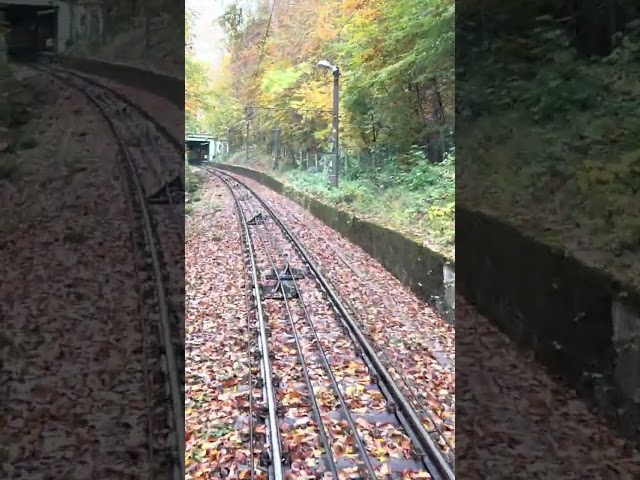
[(395, 57)]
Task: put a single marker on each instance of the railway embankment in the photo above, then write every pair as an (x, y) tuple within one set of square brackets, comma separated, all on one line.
[(581, 322), (429, 274)]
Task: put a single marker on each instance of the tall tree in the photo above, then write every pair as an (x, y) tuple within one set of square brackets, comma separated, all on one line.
[(396, 59), (4, 82)]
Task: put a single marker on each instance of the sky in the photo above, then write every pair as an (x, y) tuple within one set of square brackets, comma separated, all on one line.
[(208, 46), (208, 41)]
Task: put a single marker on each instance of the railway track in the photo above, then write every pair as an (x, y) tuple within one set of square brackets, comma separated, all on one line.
[(321, 402), (149, 156), (437, 420)]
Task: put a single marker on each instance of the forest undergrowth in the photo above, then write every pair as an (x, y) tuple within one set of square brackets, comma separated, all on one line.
[(416, 200), (556, 149), (194, 179)]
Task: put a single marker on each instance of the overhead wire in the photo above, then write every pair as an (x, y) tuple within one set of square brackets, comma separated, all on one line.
[(266, 35), (258, 107), (353, 14), (264, 41)]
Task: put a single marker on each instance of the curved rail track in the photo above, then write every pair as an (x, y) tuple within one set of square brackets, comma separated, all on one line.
[(316, 379), (149, 156)]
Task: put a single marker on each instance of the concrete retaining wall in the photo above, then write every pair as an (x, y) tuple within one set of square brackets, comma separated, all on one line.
[(581, 323), (165, 86), (428, 274), (84, 23)]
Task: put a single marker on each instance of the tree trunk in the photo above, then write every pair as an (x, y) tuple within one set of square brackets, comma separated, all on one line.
[(435, 148), (145, 23), (595, 24), (5, 77)]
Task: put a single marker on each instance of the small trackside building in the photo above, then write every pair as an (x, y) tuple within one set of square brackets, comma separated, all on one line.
[(200, 148), (36, 25)]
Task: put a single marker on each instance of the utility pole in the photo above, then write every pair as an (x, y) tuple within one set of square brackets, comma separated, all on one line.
[(277, 162), (336, 127), (336, 107), (246, 160)]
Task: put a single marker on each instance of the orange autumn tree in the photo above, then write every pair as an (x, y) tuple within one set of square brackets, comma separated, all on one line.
[(396, 59)]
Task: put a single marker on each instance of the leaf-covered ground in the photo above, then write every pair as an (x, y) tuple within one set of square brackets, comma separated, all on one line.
[(412, 339), (383, 440), (71, 330), (522, 417), (164, 112), (217, 350), (520, 422)]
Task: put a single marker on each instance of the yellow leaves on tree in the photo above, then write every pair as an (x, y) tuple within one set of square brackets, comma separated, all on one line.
[(395, 63)]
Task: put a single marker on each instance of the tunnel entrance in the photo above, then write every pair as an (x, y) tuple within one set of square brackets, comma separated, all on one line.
[(32, 29), (198, 151)]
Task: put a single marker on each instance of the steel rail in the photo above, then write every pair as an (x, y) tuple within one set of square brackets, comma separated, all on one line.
[(367, 363), (175, 143), (327, 366), (276, 454), (250, 364), (161, 128), (330, 373), (436, 463), (410, 388), (165, 330), (314, 402), (316, 409)]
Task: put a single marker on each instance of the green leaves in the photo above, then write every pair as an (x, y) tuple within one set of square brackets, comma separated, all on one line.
[(389, 53), (278, 81), (392, 58)]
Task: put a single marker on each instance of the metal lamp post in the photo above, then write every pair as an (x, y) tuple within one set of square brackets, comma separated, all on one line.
[(336, 105), (246, 143)]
